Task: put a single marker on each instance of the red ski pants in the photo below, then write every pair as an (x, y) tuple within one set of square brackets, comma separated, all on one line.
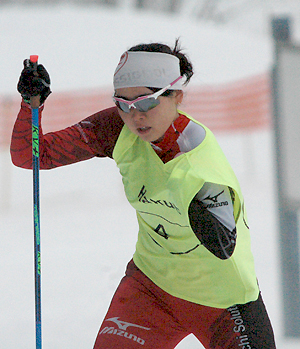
[(142, 315)]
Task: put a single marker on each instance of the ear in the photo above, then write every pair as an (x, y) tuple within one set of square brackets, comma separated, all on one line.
[(178, 96)]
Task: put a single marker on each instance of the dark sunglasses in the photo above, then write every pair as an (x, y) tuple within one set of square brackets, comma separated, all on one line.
[(143, 103)]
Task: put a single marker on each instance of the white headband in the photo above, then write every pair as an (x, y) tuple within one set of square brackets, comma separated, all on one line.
[(150, 69)]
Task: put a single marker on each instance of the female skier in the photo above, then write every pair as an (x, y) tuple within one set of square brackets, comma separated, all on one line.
[(192, 271)]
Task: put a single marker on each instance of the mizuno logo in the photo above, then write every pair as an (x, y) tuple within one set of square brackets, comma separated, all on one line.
[(215, 203), (214, 198), (124, 325), (122, 330)]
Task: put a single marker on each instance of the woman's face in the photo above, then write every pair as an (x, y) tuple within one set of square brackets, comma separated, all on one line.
[(150, 126)]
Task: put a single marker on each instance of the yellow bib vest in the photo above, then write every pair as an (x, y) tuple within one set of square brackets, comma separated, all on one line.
[(167, 250)]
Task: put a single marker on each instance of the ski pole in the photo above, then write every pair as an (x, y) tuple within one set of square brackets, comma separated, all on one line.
[(34, 103)]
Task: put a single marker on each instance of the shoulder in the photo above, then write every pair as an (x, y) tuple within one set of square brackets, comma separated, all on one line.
[(106, 118), (105, 126), (192, 136)]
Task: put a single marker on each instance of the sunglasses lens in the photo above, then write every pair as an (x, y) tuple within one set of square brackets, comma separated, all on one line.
[(147, 104), (143, 105), (123, 106)]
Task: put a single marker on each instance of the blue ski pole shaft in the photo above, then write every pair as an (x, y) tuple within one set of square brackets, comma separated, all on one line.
[(35, 102)]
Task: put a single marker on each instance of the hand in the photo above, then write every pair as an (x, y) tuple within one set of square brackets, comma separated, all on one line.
[(34, 83)]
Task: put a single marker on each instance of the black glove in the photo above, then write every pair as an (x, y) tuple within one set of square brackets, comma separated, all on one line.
[(34, 83)]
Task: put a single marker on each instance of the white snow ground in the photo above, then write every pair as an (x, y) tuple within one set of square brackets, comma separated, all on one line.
[(88, 229)]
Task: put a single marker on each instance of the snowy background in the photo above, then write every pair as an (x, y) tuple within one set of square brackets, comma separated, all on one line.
[(88, 229)]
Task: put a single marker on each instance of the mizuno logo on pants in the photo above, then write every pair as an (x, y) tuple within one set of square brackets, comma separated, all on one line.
[(122, 330)]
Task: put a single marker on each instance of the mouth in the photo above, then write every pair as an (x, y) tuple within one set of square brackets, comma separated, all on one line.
[(143, 130)]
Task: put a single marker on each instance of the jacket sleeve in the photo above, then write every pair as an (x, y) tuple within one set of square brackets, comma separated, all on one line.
[(211, 218), (94, 136)]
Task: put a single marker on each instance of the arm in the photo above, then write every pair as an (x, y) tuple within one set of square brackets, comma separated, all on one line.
[(93, 136), (211, 218)]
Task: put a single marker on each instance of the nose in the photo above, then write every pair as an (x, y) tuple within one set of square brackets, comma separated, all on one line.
[(136, 114)]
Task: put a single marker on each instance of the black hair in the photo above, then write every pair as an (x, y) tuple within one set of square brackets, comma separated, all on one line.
[(186, 67)]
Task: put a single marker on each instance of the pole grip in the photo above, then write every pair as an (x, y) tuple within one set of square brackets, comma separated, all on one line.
[(34, 100)]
